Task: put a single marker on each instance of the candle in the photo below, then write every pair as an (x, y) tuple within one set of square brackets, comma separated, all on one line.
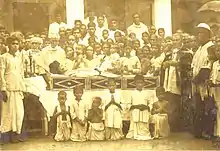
[(26, 67), (34, 66), (30, 57)]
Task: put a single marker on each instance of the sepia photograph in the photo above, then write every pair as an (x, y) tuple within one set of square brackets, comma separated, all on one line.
[(109, 75)]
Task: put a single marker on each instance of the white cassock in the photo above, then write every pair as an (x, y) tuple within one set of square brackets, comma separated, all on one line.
[(49, 55), (139, 123), (54, 28), (215, 77), (11, 81), (137, 29), (79, 110), (200, 59), (113, 117)]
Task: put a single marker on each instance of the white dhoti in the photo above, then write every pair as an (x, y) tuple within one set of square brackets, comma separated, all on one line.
[(96, 131), (139, 125), (162, 128), (78, 132), (12, 113)]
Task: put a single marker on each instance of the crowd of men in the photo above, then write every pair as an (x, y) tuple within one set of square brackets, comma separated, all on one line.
[(99, 45)]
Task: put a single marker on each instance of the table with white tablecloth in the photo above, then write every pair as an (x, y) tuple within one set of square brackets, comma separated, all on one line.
[(48, 98)]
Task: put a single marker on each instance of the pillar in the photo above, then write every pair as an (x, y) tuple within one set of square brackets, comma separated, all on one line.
[(74, 11), (162, 15)]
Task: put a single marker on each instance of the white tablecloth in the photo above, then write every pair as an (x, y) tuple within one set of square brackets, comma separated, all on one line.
[(35, 85)]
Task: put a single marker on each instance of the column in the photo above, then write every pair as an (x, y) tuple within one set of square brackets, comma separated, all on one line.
[(74, 11), (162, 15)]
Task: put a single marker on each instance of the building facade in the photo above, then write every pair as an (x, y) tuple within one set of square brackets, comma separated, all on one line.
[(34, 15)]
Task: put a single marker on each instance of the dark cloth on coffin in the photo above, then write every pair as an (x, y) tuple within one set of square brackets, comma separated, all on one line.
[(203, 75), (113, 103), (55, 68), (53, 120), (141, 107)]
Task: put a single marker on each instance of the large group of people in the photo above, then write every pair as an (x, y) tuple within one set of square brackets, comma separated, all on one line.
[(187, 64)]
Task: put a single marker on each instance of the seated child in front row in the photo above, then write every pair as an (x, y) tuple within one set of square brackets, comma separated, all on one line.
[(140, 112), (160, 115), (79, 114), (95, 118), (62, 117)]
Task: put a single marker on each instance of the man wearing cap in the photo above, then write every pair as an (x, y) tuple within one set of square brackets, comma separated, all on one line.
[(199, 89)]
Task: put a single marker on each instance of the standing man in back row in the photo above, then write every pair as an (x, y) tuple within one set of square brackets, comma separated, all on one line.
[(137, 27), (54, 27)]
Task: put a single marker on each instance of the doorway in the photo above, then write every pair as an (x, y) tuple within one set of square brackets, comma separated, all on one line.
[(30, 17)]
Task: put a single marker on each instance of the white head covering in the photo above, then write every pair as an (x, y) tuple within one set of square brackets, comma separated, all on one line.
[(204, 25), (36, 40), (54, 36)]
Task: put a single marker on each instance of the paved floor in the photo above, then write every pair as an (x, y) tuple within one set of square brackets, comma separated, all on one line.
[(180, 141)]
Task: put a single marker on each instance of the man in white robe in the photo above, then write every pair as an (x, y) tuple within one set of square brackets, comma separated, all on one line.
[(137, 27), (100, 26), (54, 28), (51, 53), (12, 87), (200, 60)]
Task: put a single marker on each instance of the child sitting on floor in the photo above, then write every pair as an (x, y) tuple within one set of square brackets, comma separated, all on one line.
[(160, 116), (95, 119), (63, 119), (79, 114)]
